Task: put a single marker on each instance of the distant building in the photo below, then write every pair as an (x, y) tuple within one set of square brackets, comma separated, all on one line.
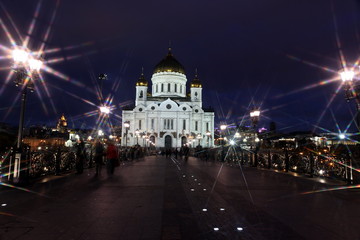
[(62, 125), (168, 116)]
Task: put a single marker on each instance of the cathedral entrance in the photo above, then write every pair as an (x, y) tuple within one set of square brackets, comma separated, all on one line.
[(168, 142), (183, 141)]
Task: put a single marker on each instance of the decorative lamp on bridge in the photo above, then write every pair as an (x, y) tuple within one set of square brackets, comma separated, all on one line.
[(126, 126), (26, 66), (254, 115)]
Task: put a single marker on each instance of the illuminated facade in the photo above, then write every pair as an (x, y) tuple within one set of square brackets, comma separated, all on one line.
[(62, 124), (169, 116)]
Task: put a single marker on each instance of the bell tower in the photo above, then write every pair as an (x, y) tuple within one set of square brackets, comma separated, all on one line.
[(196, 90), (141, 89)]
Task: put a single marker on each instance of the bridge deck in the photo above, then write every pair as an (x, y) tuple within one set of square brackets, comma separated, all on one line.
[(158, 198)]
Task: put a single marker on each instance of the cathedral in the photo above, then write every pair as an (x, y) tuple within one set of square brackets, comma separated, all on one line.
[(169, 116)]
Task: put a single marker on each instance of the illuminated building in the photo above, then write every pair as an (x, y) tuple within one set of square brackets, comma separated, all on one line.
[(62, 124), (169, 116)]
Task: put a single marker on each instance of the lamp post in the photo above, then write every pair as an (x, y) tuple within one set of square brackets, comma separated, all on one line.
[(143, 137), (199, 138), (222, 128), (27, 69), (208, 133), (352, 91), (127, 126), (254, 116), (348, 169)]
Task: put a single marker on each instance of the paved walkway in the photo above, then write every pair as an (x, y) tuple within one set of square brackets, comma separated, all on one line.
[(158, 198)]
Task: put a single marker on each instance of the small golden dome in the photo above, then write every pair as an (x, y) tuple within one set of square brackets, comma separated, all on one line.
[(142, 81), (196, 83)]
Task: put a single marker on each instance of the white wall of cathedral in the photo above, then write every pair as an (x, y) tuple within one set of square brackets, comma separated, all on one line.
[(168, 118), (168, 84)]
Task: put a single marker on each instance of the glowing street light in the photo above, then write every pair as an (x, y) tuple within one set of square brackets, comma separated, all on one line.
[(20, 55), (105, 110), (254, 115), (223, 127), (35, 64), (342, 136), (347, 75)]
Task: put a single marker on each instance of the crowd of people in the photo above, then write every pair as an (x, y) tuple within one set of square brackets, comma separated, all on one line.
[(103, 155), (109, 155)]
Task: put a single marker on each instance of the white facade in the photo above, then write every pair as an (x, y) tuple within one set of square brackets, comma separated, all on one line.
[(168, 117)]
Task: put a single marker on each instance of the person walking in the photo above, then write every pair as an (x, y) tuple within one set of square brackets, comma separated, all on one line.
[(111, 155), (186, 152), (99, 153), (80, 156)]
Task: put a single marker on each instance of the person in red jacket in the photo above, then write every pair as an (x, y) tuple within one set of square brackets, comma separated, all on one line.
[(111, 155)]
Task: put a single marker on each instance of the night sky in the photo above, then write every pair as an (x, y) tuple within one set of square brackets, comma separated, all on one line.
[(248, 53)]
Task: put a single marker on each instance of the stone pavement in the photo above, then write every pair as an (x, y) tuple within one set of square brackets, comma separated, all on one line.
[(158, 198)]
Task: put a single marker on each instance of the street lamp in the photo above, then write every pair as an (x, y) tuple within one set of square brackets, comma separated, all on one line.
[(105, 110), (127, 126), (348, 174), (222, 128), (352, 90), (254, 115), (199, 138), (27, 69), (342, 136), (137, 136), (143, 137), (100, 132), (208, 133)]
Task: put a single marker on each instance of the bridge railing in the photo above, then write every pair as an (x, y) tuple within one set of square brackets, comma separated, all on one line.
[(334, 164)]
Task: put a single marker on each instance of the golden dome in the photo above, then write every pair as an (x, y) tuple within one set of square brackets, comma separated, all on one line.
[(142, 81), (169, 64), (196, 83)]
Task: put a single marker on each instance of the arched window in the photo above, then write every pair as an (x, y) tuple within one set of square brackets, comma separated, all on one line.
[(175, 87), (162, 87), (180, 88), (141, 94), (168, 87), (157, 89)]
